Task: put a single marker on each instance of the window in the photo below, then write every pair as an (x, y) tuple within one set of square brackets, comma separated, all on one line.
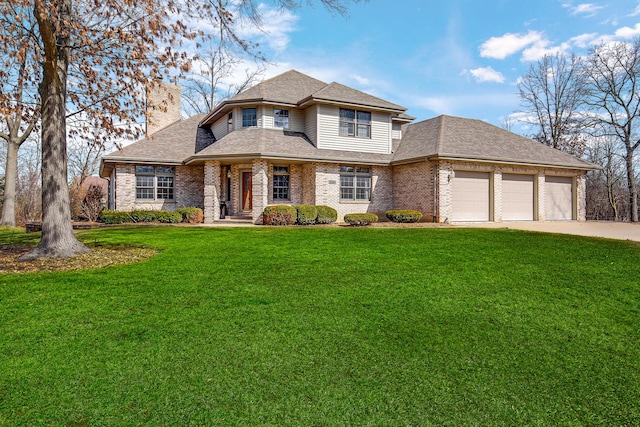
[(280, 183), (280, 118), (355, 123), (355, 183), (249, 117), (154, 183), (230, 122)]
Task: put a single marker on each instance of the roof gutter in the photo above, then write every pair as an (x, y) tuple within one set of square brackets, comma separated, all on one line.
[(585, 166), (249, 156)]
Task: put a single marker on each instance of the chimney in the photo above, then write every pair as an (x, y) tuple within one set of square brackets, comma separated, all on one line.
[(163, 106)]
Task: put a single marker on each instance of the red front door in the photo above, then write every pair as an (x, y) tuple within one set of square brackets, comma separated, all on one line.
[(246, 191)]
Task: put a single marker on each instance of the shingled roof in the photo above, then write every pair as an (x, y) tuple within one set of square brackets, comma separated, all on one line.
[(298, 89), (456, 138), (170, 145), (279, 144)]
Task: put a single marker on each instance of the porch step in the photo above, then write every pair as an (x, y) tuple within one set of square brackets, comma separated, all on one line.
[(236, 219)]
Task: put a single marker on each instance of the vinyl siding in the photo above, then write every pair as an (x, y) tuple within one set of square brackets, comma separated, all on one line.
[(311, 124), (329, 138), (296, 120), (396, 131), (219, 128)]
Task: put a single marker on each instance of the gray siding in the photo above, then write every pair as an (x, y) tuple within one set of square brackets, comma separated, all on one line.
[(311, 124)]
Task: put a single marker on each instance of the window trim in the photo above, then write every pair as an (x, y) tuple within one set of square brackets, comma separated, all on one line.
[(355, 173), (287, 116), (274, 187), (246, 120), (355, 123), (156, 187)]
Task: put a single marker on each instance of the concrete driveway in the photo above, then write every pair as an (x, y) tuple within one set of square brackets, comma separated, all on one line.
[(606, 229)]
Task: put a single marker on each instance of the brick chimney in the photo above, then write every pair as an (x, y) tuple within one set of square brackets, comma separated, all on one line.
[(163, 106)]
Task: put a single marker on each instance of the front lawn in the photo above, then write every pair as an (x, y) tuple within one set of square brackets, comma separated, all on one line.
[(327, 326)]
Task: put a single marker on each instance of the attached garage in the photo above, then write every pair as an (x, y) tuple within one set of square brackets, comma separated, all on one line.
[(558, 198), (470, 196), (517, 197)]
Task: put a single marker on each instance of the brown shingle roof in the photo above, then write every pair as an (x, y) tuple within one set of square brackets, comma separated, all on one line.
[(172, 144), (279, 144), (296, 88), (470, 139), (288, 88), (336, 92)]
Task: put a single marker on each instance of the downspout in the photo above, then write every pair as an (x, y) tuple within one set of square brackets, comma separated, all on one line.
[(435, 191)]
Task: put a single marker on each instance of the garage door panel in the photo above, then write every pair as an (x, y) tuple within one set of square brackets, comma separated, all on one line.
[(558, 198), (517, 197), (470, 196)]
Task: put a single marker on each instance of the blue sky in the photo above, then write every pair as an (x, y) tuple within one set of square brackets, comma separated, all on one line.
[(457, 57)]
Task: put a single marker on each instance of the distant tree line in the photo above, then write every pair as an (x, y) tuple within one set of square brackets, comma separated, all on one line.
[(589, 107)]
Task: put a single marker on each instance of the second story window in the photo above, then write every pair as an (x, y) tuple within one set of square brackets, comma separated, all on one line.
[(230, 122), (249, 117), (355, 123), (280, 118)]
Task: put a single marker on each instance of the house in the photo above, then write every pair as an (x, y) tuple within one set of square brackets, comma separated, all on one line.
[(294, 139)]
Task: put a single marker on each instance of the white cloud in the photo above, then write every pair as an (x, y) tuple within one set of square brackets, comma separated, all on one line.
[(458, 104), (628, 32), (487, 74), (636, 11), (538, 50), (274, 31), (583, 40), (508, 44), (363, 81), (586, 9)]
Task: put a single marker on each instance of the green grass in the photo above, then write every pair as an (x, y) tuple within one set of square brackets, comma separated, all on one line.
[(327, 327)]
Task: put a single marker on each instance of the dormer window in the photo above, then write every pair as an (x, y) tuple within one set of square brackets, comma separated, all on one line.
[(355, 123), (280, 118), (249, 117)]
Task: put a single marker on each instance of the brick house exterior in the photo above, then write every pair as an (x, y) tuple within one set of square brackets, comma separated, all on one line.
[(295, 140)]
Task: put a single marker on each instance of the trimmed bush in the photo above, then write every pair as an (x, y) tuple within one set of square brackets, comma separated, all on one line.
[(114, 217), (307, 214), (403, 215), (167, 217), (142, 216), (359, 219), (191, 215), (279, 215), (120, 217), (326, 215)]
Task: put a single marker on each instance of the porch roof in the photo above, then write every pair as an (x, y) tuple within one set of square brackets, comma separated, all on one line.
[(279, 144)]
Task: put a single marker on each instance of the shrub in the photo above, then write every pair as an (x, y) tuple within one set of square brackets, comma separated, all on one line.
[(167, 217), (359, 219), (114, 217), (93, 203), (279, 215), (326, 215), (403, 215), (307, 214), (191, 215), (142, 216)]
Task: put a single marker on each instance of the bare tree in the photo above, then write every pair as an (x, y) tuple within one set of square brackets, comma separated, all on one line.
[(606, 193), (206, 86), (96, 58), (19, 103), (614, 98), (553, 90)]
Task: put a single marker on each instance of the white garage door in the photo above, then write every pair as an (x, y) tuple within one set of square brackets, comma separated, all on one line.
[(470, 196), (517, 197), (558, 198)]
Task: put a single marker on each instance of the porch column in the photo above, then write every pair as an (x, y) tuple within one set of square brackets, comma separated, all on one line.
[(541, 202), (260, 189), (211, 191)]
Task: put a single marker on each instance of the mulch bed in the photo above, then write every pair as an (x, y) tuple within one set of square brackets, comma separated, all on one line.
[(99, 257)]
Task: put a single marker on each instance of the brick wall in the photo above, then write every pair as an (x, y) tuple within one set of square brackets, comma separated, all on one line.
[(413, 188), (163, 106), (189, 186)]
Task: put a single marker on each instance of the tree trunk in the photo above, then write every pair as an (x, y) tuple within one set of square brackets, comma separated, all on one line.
[(633, 191), (58, 240), (10, 177)]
